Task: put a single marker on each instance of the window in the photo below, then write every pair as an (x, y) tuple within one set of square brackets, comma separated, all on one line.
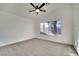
[(51, 27)]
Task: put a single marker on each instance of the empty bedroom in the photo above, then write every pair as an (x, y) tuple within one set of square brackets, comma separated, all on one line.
[(39, 29)]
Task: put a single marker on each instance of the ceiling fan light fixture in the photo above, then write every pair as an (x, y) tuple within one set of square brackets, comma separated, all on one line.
[(37, 8)]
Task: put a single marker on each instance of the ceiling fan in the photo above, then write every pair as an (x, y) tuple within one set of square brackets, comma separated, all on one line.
[(37, 8)]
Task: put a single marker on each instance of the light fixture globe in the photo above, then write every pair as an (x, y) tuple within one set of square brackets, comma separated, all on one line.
[(37, 10)]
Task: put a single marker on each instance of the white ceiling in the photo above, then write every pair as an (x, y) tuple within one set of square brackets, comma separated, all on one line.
[(21, 9)]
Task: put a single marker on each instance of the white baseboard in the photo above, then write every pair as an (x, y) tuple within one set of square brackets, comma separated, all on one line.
[(15, 41), (28, 38)]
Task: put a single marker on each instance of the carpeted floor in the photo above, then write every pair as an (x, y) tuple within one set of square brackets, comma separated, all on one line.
[(37, 47)]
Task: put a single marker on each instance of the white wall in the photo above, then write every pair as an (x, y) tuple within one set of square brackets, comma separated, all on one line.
[(76, 26), (15, 28), (65, 12), (20, 25)]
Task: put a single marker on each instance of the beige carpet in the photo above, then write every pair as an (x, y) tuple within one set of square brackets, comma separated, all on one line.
[(37, 47)]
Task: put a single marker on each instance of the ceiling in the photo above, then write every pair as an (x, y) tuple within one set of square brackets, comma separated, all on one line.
[(21, 9)]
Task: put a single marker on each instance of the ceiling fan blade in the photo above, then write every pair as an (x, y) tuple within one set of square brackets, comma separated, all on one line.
[(33, 5), (43, 10), (42, 5), (31, 10)]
